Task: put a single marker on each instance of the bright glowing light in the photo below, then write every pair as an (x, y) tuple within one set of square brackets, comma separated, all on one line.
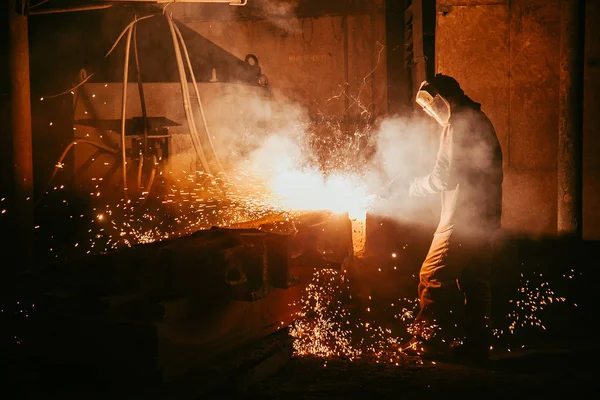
[(310, 190), (359, 236)]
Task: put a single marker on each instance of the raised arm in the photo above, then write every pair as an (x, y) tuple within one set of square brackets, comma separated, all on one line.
[(443, 175)]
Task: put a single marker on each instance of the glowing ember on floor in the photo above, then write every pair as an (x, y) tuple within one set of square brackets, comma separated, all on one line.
[(534, 296), (321, 327), (327, 326)]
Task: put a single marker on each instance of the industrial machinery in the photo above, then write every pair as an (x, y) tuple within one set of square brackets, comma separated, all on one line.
[(176, 107), (134, 131)]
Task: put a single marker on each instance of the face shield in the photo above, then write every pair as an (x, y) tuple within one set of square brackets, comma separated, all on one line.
[(434, 105)]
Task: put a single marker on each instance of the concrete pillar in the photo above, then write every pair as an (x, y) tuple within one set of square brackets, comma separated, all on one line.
[(419, 59), (399, 82), (570, 125), (20, 125)]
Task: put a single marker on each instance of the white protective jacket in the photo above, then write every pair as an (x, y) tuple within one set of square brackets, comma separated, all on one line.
[(467, 173)]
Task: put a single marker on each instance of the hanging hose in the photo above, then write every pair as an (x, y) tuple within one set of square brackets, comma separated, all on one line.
[(66, 151), (139, 172), (125, 30), (150, 179), (178, 41), (87, 78), (143, 106), (189, 64), (186, 101), (124, 108), (152, 174), (128, 30)]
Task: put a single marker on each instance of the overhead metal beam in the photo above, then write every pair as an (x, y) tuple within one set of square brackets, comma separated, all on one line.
[(102, 4), (230, 2), (69, 9)]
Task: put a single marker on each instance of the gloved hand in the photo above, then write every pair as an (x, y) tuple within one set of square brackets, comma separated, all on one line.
[(420, 186)]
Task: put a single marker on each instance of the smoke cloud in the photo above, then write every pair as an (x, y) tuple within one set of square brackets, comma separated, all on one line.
[(277, 11), (266, 140), (405, 148), (275, 145)]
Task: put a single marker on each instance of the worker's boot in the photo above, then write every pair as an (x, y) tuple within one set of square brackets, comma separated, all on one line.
[(417, 347), (426, 342)]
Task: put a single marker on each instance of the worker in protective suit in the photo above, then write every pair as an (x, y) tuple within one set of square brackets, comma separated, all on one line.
[(468, 176)]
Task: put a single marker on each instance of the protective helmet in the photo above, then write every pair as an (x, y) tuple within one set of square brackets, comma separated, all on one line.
[(433, 103)]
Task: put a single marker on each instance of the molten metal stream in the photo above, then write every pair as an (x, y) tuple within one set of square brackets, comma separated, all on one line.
[(359, 235)]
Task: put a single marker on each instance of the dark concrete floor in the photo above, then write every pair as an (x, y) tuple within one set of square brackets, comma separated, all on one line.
[(557, 361), (551, 373)]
